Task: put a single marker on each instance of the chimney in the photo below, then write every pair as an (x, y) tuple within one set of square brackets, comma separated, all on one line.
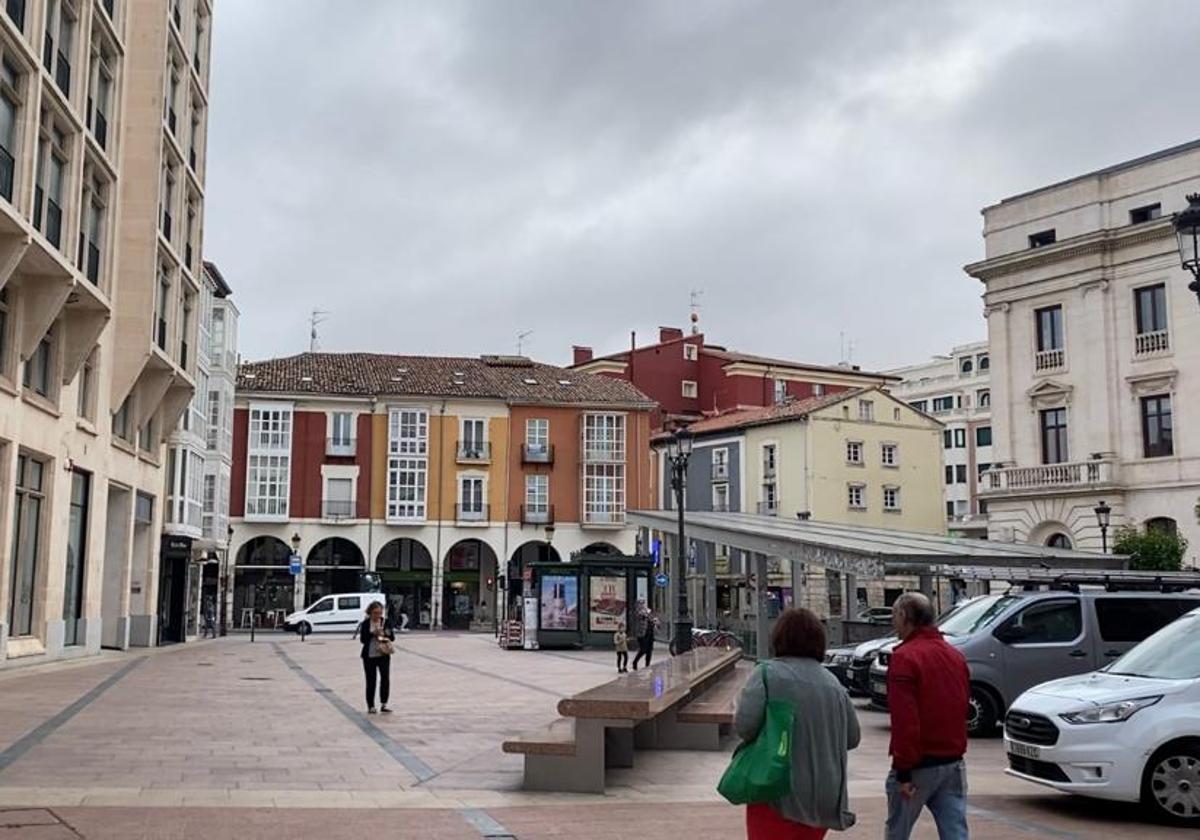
[(583, 355), (666, 334)]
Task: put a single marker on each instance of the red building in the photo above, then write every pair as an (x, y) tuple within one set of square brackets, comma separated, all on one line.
[(690, 379)]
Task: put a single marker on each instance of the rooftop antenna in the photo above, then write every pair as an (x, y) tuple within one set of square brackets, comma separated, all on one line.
[(695, 304), (317, 317), (521, 336)]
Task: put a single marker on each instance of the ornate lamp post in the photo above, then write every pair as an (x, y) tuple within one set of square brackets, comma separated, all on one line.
[(1187, 230), (1103, 514), (679, 450)]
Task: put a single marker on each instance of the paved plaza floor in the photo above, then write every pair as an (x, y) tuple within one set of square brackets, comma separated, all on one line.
[(233, 739)]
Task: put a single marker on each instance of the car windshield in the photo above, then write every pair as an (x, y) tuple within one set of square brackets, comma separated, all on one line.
[(975, 614), (1173, 653)]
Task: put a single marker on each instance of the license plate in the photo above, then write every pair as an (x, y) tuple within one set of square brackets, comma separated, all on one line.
[(879, 687), (1024, 750)]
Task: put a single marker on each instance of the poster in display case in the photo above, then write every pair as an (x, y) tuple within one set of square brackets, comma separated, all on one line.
[(560, 602), (607, 603)]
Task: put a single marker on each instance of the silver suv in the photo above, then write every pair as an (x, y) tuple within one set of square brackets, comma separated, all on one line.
[(1017, 640)]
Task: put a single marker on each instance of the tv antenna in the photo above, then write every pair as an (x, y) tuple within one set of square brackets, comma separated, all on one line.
[(695, 306), (521, 336), (317, 317)]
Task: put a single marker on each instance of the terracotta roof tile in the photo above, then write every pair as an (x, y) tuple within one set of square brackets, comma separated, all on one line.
[(513, 379), (746, 417)]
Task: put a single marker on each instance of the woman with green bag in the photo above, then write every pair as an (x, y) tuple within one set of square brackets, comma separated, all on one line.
[(790, 771)]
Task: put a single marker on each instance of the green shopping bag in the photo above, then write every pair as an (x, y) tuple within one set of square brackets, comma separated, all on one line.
[(761, 770)]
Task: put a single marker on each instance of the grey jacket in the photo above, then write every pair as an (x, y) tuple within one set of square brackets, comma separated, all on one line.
[(826, 727)]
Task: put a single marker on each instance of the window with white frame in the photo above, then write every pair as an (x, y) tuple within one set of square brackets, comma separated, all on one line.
[(193, 502), (690, 389), (604, 494), (537, 436), (854, 452), (537, 494), (856, 496), (214, 418), (720, 497), (866, 410), (780, 391), (341, 431), (604, 437), (891, 499), (268, 462), (691, 352), (209, 507), (85, 405), (408, 463), (768, 453), (339, 497), (720, 463), (818, 390), (470, 497), (473, 441), (889, 454)]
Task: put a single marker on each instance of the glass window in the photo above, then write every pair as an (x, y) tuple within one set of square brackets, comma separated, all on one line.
[(984, 362), (470, 496), (1054, 435), (960, 438), (27, 544), (891, 498), (866, 410), (537, 435), (983, 398), (1135, 619), (947, 439), (604, 493), (1049, 328), (890, 454), (854, 452), (949, 470), (769, 459), (960, 474), (966, 365), (975, 614), (342, 425), (1059, 541), (983, 436), (352, 602), (1150, 304), (856, 496), (324, 605), (1172, 653), (942, 404), (1157, 434), (39, 369), (1047, 622), (780, 391), (537, 493)]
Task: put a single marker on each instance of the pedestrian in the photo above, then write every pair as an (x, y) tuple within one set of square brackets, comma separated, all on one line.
[(825, 729), (404, 615), (646, 622), (621, 644), (928, 692), (377, 634), (210, 619)]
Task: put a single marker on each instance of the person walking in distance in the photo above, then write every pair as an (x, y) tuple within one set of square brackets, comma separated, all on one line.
[(376, 633), (621, 645), (210, 619), (646, 622), (928, 693)]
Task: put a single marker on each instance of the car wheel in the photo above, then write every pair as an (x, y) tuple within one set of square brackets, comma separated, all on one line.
[(982, 713), (1171, 784), (303, 628)]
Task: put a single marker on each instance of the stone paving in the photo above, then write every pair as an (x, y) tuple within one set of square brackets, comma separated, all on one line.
[(233, 739)]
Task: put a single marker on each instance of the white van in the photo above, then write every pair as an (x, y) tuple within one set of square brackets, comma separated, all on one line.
[(1128, 732), (334, 613)]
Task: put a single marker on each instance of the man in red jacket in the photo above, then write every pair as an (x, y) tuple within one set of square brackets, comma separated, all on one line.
[(928, 689)]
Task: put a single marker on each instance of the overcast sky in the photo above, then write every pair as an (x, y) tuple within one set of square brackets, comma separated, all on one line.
[(440, 176)]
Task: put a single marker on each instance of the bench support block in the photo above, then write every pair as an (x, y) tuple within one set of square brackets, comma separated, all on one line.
[(666, 732)]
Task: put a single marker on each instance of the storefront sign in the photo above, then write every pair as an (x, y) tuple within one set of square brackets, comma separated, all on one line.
[(560, 602), (607, 605)]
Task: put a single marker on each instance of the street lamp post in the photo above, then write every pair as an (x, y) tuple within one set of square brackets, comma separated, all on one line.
[(1187, 230), (226, 571), (1103, 514), (678, 452)]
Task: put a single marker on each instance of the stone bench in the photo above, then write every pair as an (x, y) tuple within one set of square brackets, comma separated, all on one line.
[(601, 727)]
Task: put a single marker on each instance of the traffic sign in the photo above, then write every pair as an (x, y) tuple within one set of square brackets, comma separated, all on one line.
[(295, 564), (660, 580), (656, 551)]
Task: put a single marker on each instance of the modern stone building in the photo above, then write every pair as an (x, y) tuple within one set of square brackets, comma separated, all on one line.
[(955, 389), (1095, 353), (103, 111)]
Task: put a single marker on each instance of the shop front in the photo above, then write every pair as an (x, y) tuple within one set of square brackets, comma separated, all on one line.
[(405, 569), (175, 555), (514, 583), (262, 584), (581, 602), (334, 565), (469, 586)]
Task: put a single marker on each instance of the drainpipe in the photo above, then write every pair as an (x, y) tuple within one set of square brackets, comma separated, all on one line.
[(435, 596), (371, 488), (501, 597)]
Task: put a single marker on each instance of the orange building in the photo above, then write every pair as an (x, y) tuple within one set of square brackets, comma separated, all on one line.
[(446, 476)]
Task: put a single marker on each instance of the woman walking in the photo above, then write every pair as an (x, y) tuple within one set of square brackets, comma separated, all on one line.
[(377, 635), (825, 728)]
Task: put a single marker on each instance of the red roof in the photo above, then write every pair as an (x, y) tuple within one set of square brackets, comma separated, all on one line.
[(746, 417)]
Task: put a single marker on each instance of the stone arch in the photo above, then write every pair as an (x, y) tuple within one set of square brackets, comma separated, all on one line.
[(600, 548), (1052, 530), (1162, 525), (335, 551), (262, 583), (334, 564), (264, 551), (405, 569), (469, 586)]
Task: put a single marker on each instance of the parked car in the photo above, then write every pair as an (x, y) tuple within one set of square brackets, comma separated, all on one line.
[(837, 662), (876, 615), (1017, 640), (341, 612), (1128, 732), (859, 675)]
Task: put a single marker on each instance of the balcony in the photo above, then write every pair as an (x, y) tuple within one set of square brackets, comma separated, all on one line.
[(537, 453), (336, 510), (768, 508), (474, 452), (1151, 343), (1049, 478), (471, 513), (720, 471), (1045, 361), (538, 515), (341, 447)]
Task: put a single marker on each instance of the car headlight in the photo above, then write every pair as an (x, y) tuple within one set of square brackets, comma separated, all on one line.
[(841, 659), (1111, 712)]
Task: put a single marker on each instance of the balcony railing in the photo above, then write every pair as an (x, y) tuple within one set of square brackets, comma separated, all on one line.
[(16, 11), (720, 471), (537, 453), (6, 174), (336, 509), (471, 513), (341, 447), (537, 515), (474, 451), (1045, 360), (1151, 343), (768, 508), (1073, 474)]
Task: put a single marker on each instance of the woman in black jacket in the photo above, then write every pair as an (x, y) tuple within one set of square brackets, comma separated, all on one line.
[(374, 629)]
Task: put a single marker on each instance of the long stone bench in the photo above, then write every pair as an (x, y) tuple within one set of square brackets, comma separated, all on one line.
[(601, 727)]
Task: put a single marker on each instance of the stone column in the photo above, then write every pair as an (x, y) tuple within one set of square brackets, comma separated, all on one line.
[(850, 596)]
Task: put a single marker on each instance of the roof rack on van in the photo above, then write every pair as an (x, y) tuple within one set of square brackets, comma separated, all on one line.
[(1073, 579)]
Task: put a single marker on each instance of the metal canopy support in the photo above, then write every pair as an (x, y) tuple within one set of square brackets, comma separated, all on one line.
[(797, 582), (850, 599), (710, 585), (762, 647)]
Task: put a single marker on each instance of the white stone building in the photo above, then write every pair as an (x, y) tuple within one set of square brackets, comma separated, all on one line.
[(1095, 345), (956, 389)]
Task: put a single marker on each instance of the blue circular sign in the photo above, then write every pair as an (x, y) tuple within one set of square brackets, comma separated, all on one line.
[(660, 580), (294, 564)]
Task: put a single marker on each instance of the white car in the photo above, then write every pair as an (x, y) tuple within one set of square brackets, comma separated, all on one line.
[(1130, 732), (333, 613)]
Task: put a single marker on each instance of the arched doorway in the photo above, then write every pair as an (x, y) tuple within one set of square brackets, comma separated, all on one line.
[(534, 551), (600, 548), (334, 564), (469, 586), (405, 568), (1059, 540), (262, 583)]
